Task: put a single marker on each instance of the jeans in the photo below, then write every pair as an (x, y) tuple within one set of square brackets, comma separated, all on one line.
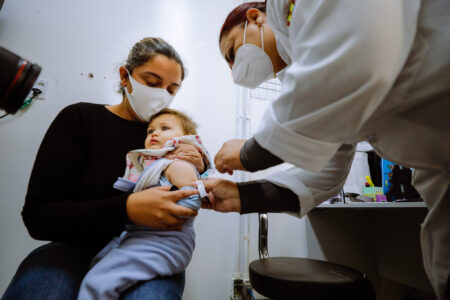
[(55, 271)]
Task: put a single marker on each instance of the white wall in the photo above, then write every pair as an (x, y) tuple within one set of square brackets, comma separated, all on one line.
[(286, 234), (70, 39)]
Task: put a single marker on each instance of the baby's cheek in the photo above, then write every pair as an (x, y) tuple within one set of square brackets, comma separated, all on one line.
[(146, 143)]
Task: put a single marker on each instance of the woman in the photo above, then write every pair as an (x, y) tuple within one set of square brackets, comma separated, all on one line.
[(71, 200), (350, 71)]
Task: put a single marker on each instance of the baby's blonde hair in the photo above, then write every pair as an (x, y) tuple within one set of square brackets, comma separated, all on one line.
[(189, 126)]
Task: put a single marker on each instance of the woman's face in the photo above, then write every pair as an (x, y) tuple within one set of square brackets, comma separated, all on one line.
[(234, 39), (161, 129), (159, 72)]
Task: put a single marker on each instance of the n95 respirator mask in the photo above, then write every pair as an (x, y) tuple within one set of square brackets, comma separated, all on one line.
[(252, 66)]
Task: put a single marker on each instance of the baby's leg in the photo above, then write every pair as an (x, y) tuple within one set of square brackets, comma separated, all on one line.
[(142, 256)]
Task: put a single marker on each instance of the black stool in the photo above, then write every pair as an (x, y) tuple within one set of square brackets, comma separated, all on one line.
[(301, 278)]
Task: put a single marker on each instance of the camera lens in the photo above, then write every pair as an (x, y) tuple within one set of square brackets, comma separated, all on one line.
[(17, 78)]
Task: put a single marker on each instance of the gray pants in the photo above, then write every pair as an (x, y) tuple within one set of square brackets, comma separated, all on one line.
[(137, 255)]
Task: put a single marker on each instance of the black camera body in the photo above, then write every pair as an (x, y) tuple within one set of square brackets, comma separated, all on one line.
[(17, 77)]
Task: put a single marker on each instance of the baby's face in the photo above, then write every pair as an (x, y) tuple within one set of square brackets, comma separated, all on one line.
[(161, 129)]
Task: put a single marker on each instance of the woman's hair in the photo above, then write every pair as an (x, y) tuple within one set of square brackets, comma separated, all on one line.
[(146, 49), (189, 126), (238, 16)]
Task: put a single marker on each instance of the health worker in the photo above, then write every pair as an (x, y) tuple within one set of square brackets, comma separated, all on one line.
[(351, 71)]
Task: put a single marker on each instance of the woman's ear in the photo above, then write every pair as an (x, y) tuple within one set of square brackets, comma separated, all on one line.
[(123, 76), (255, 16)]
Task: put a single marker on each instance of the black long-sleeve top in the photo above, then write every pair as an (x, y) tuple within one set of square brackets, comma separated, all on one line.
[(70, 194)]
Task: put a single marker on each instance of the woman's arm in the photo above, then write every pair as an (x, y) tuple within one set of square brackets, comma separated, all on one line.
[(156, 207), (70, 194), (54, 207)]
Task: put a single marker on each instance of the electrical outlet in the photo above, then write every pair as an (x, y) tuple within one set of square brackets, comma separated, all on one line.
[(43, 84)]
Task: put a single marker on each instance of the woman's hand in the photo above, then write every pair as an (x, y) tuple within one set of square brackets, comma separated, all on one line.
[(156, 207), (190, 154), (223, 195), (228, 158)]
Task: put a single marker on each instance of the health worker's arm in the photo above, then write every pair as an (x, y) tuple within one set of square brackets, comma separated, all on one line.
[(254, 157), (265, 196), (296, 189), (312, 188), (345, 58), (248, 197)]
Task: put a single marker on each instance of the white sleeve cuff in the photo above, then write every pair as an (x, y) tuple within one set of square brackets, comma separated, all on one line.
[(291, 147), (286, 180)]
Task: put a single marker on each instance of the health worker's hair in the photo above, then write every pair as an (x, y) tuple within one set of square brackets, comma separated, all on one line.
[(238, 16)]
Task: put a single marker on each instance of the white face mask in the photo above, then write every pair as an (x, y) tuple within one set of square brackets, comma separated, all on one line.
[(252, 66), (146, 100)]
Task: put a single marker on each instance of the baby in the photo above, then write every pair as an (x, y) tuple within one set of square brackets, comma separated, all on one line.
[(141, 253)]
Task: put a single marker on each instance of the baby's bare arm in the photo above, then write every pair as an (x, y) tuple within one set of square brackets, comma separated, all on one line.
[(190, 154), (181, 173)]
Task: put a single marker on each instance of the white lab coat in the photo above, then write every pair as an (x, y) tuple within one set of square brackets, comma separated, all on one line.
[(365, 70)]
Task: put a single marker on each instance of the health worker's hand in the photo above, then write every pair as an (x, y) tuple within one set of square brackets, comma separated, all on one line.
[(228, 158), (190, 154), (223, 195), (156, 207)]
